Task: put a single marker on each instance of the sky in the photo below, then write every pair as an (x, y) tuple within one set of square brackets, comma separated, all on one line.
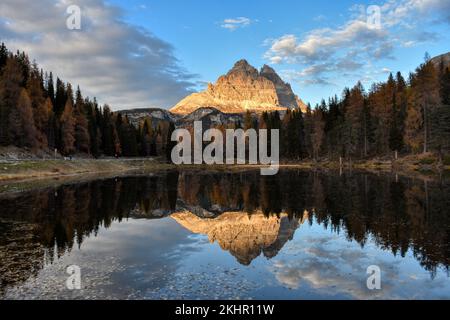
[(152, 53)]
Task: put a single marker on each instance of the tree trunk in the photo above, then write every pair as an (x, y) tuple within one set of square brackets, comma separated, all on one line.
[(365, 136)]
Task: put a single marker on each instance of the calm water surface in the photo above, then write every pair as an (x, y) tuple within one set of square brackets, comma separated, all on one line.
[(199, 235)]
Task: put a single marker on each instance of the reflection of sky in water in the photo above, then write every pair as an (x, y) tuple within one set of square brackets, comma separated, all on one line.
[(321, 264), (159, 259)]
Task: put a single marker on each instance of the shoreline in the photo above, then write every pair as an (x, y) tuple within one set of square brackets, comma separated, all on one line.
[(29, 170)]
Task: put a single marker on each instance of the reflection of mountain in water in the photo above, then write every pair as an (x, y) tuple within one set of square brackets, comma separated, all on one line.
[(247, 214), (244, 236)]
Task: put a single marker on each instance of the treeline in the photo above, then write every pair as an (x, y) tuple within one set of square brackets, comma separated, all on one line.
[(39, 114), (395, 117), (404, 116), (399, 116)]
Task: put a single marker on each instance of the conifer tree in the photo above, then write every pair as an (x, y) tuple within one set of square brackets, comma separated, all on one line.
[(82, 138), (3, 55), (38, 103), (147, 140), (60, 98), (308, 131), (11, 79), (318, 126), (169, 143), (355, 121), (68, 129), (22, 128), (50, 87), (425, 90)]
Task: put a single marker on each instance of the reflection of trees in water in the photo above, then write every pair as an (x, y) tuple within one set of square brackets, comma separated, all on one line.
[(399, 214), (47, 223)]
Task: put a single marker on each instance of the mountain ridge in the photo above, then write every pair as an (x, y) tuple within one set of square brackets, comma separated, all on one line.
[(242, 89)]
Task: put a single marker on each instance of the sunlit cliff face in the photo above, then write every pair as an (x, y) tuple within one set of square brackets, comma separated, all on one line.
[(243, 88), (244, 236)]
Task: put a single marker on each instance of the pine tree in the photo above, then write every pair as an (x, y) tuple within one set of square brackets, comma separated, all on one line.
[(41, 118), (425, 88), (68, 129), (413, 124), (108, 143), (110, 138), (334, 122), (309, 127), (3, 56), (148, 136), (10, 88), (60, 98), (129, 141), (382, 104), (22, 129), (354, 115), (440, 129), (286, 144), (50, 126), (94, 124), (298, 136), (82, 138), (318, 126), (50, 87), (396, 141), (24, 63), (37, 96)]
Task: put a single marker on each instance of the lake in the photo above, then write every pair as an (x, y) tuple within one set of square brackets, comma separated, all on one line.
[(238, 235)]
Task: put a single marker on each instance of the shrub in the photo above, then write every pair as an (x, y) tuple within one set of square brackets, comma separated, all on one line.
[(446, 160), (427, 161)]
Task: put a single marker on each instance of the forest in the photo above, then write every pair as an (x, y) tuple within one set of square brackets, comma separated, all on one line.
[(397, 117), (401, 116), (38, 114)]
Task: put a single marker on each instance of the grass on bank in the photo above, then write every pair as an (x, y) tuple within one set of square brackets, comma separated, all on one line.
[(34, 169)]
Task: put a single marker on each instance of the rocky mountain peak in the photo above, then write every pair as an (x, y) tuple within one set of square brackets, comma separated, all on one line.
[(243, 67), (267, 70), (243, 88)]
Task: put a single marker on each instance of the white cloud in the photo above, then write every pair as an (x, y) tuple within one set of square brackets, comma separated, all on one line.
[(331, 267), (357, 42), (323, 43), (121, 64), (236, 23)]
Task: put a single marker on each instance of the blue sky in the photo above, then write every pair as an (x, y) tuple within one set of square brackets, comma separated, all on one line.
[(150, 53)]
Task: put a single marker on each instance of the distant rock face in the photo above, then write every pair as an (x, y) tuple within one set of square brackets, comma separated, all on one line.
[(443, 58), (243, 88), (210, 117), (136, 115)]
